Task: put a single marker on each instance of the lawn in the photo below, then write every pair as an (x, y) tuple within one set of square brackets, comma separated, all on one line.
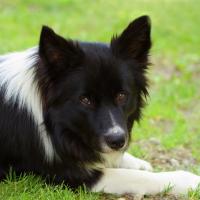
[(169, 133)]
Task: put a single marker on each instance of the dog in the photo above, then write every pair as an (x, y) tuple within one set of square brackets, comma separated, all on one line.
[(67, 108)]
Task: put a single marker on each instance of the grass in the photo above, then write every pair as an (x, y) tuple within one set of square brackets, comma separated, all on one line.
[(31, 188), (172, 116), (194, 194)]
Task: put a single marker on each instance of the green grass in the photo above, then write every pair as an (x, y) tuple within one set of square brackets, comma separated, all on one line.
[(173, 112), (194, 194), (31, 188)]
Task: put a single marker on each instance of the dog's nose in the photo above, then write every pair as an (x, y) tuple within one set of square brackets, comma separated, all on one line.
[(116, 141)]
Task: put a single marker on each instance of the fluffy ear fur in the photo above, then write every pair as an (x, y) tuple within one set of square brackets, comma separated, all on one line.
[(135, 41), (57, 52)]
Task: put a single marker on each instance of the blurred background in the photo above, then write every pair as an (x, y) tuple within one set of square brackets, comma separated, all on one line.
[(169, 133)]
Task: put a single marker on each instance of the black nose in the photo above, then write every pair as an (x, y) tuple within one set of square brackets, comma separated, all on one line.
[(116, 141)]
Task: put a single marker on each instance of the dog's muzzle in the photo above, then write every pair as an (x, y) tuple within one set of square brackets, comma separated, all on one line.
[(115, 138)]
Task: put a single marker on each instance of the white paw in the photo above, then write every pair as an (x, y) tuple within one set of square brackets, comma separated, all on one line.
[(131, 162), (143, 165), (183, 181)]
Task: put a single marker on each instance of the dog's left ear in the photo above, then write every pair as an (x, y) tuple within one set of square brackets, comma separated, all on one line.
[(135, 41), (58, 52)]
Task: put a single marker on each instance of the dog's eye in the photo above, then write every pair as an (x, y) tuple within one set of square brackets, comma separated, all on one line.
[(121, 98), (86, 101)]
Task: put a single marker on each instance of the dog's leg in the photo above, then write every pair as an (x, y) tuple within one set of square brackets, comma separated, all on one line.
[(130, 162), (120, 181)]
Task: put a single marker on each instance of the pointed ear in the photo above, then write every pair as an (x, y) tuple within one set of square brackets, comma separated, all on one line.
[(56, 51), (135, 41)]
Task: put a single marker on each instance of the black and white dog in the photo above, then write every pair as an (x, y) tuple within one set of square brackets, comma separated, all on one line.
[(67, 108)]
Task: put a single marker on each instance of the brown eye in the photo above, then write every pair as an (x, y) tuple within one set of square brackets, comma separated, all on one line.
[(85, 101), (121, 98)]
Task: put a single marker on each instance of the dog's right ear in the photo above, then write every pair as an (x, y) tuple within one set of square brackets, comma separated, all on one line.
[(135, 41), (57, 52)]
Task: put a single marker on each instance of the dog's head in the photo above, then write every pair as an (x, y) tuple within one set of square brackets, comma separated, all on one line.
[(92, 92)]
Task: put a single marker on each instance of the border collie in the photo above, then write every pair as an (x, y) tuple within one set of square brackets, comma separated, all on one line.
[(67, 108)]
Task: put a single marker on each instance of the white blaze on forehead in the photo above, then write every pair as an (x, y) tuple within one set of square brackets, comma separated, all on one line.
[(17, 77), (115, 128), (112, 118)]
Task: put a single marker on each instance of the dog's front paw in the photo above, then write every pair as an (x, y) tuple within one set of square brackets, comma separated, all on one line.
[(136, 163), (183, 181), (131, 162), (143, 165)]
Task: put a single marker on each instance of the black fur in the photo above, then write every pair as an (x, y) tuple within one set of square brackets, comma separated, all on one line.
[(66, 71)]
